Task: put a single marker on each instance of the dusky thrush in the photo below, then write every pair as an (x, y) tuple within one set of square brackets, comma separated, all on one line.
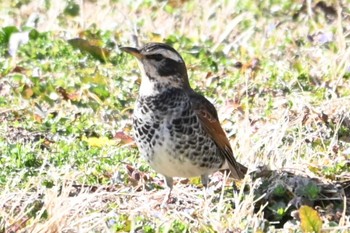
[(176, 129)]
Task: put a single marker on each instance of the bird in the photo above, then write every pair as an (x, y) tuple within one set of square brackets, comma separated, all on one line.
[(176, 129)]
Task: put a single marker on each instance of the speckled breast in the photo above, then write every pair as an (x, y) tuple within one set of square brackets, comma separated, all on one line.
[(170, 137)]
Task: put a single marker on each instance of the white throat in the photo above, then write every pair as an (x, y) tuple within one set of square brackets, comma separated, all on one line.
[(153, 87), (147, 87)]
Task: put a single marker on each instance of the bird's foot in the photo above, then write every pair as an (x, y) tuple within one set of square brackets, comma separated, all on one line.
[(167, 201)]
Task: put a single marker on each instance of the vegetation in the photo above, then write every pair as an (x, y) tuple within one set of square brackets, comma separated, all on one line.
[(278, 72)]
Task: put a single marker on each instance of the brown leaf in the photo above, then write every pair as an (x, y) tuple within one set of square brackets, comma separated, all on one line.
[(176, 3), (253, 65), (68, 96), (125, 139), (135, 176), (38, 118), (27, 92), (17, 226), (130, 169), (19, 69)]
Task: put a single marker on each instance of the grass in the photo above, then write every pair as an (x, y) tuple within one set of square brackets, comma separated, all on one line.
[(277, 72)]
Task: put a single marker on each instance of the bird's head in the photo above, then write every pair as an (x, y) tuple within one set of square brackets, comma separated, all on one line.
[(162, 67)]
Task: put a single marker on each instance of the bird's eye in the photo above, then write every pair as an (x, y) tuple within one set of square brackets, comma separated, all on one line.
[(157, 57)]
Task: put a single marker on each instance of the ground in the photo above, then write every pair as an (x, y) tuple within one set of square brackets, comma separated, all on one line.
[(278, 73)]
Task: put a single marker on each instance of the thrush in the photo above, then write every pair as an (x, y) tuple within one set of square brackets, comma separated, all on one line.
[(176, 129)]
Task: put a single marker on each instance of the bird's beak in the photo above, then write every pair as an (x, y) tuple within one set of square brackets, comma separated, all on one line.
[(133, 51)]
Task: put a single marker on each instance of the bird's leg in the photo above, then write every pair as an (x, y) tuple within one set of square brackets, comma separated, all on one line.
[(169, 184), (205, 181)]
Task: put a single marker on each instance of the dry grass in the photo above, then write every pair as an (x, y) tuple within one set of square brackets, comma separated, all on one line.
[(272, 132), (77, 208)]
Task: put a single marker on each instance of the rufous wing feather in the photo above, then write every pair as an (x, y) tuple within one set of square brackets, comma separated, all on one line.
[(208, 117)]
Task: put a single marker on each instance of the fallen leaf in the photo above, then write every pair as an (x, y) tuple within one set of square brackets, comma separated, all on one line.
[(27, 92), (19, 69), (18, 225), (98, 142), (176, 3), (68, 96), (87, 46), (310, 220), (124, 139)]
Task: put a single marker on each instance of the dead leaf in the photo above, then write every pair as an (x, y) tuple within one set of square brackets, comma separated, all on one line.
[(310, 219), (38, 118), (17, 226), (176, 3), (252, 65), (89, 46), (68, 96), (124, 139), (98, 141), (19, 69), (27, 92)]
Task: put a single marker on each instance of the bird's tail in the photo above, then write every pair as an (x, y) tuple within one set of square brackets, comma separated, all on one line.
[(237, 172)]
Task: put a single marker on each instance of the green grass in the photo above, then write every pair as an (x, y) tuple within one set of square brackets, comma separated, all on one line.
[(277, 72)]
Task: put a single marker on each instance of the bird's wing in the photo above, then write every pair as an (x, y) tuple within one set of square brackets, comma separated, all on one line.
[(208, 117)]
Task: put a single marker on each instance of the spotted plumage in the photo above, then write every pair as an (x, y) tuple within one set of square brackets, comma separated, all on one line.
[(176, 129), (171, 138)]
